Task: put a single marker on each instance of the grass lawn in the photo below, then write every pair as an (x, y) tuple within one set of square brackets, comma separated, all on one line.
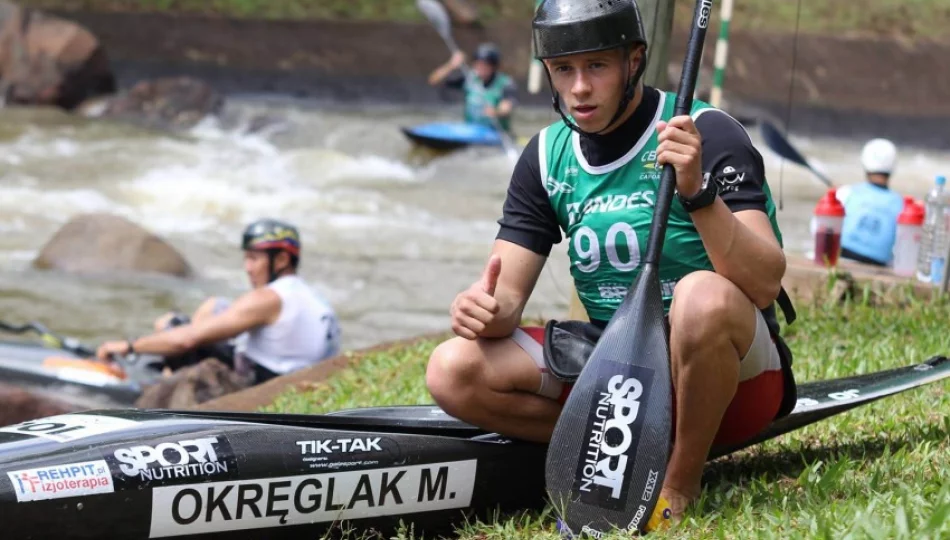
[(880, 471), (911, 18)]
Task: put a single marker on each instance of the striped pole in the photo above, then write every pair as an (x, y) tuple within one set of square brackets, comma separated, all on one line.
[(535, 73), (535, 67), (722, 53)]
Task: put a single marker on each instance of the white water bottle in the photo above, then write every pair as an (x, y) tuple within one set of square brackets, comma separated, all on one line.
[(933, 220), (939, 240), (910, 224)]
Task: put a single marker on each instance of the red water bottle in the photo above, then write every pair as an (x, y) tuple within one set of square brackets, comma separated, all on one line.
[(829, 217), (910, 225)]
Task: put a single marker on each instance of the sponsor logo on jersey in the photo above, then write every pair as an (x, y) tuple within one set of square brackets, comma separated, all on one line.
[(553, 186), (612, 292), (69, 427), (615, 292), (204, 458), (729, 179), (648, 160), (667, 286), (60, 481), (651, 169), (613, 202), (312, 498)]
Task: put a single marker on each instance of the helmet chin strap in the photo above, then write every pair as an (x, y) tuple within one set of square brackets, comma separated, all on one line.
[(272, 275), (629, 92)]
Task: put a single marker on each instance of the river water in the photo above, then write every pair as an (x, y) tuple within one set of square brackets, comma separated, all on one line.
[(391, 233)]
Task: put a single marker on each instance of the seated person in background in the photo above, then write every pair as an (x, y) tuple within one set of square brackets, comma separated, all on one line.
[(490, 95), (285, 326), (871, 208)]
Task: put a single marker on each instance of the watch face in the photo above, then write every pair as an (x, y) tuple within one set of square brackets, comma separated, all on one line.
[(704, 197)]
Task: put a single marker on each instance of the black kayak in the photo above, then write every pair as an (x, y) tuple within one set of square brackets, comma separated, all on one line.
[(159, 474), (151, 474)]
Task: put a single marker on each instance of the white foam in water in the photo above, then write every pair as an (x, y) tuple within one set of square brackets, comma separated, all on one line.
[(321, 166), (34, 142), (180, 199), (227, 178), (65, 147), (54, 204), (372, 168), (21, 256), (11, 225)]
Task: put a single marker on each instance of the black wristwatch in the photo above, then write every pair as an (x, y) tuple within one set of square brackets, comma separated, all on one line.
[(706, 195)]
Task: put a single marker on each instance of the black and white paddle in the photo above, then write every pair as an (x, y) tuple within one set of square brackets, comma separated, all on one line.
[(607, 458)]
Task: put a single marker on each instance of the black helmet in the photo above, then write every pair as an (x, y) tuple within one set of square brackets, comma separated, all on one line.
[(272, 236), (565, 27), (489, 53)]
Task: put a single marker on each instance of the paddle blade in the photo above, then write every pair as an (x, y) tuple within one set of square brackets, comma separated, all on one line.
[(435, 12), (781, 146), (608, 454)]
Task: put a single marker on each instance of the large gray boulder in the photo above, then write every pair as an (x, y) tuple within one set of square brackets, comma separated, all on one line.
[(99, 243), (169, 103), (46, 60)]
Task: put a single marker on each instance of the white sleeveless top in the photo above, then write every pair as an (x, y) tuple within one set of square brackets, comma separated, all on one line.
[(305, 332)]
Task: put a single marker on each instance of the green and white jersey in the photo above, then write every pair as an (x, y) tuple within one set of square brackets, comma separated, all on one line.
[(477, 96), (606, 211)]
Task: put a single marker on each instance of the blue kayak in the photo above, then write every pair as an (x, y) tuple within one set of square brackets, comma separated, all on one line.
[(452, 135)]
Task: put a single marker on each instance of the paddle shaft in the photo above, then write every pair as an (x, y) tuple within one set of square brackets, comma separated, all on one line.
[(684, 102), (67, 344)]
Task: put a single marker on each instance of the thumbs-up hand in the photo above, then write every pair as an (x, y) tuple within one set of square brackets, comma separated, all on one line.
[(475, 308)]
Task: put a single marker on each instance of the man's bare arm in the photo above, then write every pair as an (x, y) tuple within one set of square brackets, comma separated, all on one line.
[(256, 308), (520, 270)]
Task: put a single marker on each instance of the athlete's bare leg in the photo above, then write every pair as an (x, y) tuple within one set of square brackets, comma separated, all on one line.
[(712, 325), (492, 383)]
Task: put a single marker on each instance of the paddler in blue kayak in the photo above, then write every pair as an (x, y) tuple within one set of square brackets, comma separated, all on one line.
[(283, 325), (871, 207), (490, 95)]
